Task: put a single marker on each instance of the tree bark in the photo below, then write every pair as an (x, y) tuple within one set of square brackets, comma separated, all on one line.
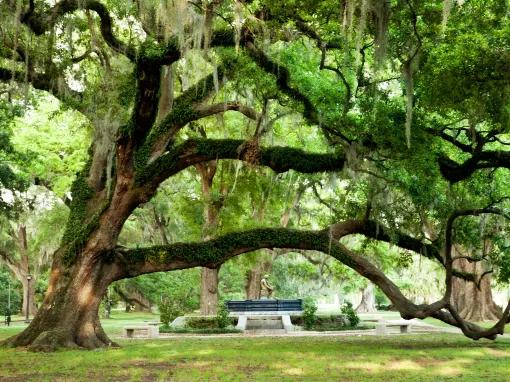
[(68, 316), (253, 277), (474, 303), (209, 292), (31, 294), (209, 277), (367, 304)]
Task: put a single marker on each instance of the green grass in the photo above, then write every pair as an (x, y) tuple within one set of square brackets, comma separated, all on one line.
[(409, 358)]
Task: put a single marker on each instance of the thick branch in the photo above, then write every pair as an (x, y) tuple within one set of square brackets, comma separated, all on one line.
[(280, 159), (207, 110), (213, 253)]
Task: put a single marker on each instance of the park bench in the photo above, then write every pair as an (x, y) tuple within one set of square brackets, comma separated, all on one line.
[(265, 305), (382, 325), (148, 330), (265, 314)]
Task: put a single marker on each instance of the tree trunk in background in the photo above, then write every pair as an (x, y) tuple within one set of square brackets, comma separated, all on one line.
[(473, 303), (209, 277), (31, 291), (367, 304), (253, 277), (21, 270), (209, 292)]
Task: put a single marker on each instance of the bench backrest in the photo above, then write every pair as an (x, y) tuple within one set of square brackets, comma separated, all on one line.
[(265, 305)]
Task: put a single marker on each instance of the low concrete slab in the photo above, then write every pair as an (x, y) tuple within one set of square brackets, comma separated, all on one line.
[(381, 328), (144, 331)]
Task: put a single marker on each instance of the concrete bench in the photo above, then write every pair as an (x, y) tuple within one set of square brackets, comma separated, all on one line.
[(382, 326), (151, 330)]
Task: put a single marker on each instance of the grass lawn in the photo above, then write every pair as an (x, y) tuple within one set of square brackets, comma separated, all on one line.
[(438, 357)]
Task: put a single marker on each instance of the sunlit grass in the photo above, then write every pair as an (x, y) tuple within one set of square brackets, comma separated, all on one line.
[(410, 358)]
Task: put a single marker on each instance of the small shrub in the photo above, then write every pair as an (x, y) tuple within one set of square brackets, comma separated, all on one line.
[(222, 318), (169, 311), (309, 316), (351, 314)]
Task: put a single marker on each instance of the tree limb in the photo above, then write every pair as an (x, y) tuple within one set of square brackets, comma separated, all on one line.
[(212, 253), (41, 22), (280, 159)]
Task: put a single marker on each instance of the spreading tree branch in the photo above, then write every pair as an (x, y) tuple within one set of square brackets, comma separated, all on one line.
[(212, 253), (280, 159)]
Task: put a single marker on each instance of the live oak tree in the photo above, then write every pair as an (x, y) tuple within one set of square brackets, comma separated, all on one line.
[(396, 106)]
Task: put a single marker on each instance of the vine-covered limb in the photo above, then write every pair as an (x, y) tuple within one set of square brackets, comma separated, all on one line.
[(208, 110), (279, 159), (212, 253), (376, 231), (41, 22), (186, 108)]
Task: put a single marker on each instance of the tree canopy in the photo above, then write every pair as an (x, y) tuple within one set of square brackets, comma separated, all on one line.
[(393, 115)]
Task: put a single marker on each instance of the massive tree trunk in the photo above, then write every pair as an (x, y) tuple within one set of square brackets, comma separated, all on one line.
[(82, 269), (367, 304), (68, 316), (474, 302)]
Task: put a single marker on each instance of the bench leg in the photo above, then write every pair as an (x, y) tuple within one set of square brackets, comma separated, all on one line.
[(404, 328), (380, 329)]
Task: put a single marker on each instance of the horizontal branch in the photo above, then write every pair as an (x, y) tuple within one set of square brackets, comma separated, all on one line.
[(212, 253), (208, 110), (279, 159)]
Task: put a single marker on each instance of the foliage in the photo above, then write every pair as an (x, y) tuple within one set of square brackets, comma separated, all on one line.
[(15, 295), (206, 322), (309, 313), (222, 318), (351, 314), (169, 310)]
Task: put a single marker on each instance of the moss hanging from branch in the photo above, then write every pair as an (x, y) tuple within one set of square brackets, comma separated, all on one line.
[(382, 11), (447, 8)]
